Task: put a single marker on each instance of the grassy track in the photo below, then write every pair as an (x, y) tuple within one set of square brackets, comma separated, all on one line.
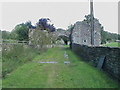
[(77, 74)]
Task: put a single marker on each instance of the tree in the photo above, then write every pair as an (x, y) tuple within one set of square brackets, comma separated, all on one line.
[(45, 24), (42, 38), (21, 31), (29, 25), (109, 37)]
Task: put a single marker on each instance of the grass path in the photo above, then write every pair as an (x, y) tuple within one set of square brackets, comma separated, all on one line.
[(77, 74)]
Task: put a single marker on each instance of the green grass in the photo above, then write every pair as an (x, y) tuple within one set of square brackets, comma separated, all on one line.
[(113, 44), (14, 56), (67, 46), (77, 74)]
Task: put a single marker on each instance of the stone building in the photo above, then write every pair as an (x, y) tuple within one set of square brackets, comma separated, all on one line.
[(81, 33)]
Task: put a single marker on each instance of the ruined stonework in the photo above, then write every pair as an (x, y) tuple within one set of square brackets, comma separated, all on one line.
[(81, 33)]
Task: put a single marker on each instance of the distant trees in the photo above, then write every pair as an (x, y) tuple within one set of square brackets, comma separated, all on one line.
[(109, 37), (5, 35), (21, 31)]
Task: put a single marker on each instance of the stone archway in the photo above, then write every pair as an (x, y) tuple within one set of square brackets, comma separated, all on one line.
[(64, 38)]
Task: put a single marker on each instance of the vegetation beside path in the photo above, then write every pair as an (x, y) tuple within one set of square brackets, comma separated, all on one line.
[(76, 74), (16, 55)]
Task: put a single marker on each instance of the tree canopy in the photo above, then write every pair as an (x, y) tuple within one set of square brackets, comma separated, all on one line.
[(45, 24), (21, 32)]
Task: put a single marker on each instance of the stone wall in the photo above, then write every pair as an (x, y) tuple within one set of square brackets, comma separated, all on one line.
[(93, 54)]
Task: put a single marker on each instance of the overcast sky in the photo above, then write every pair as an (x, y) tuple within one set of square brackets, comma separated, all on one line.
[(61, 14)]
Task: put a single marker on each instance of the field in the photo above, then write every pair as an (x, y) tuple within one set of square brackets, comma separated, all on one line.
[(113, 44), (57, 74)]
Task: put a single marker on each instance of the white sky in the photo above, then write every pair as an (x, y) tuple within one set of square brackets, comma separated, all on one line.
[(61, 14)]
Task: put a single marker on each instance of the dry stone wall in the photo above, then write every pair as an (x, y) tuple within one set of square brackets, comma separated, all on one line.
[(93, 54)]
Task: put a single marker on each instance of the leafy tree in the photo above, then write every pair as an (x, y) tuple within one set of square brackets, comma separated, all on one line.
[(29, 25), (45, 24), (109, 37), (13, 35), (21, 32), (42, 38)]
